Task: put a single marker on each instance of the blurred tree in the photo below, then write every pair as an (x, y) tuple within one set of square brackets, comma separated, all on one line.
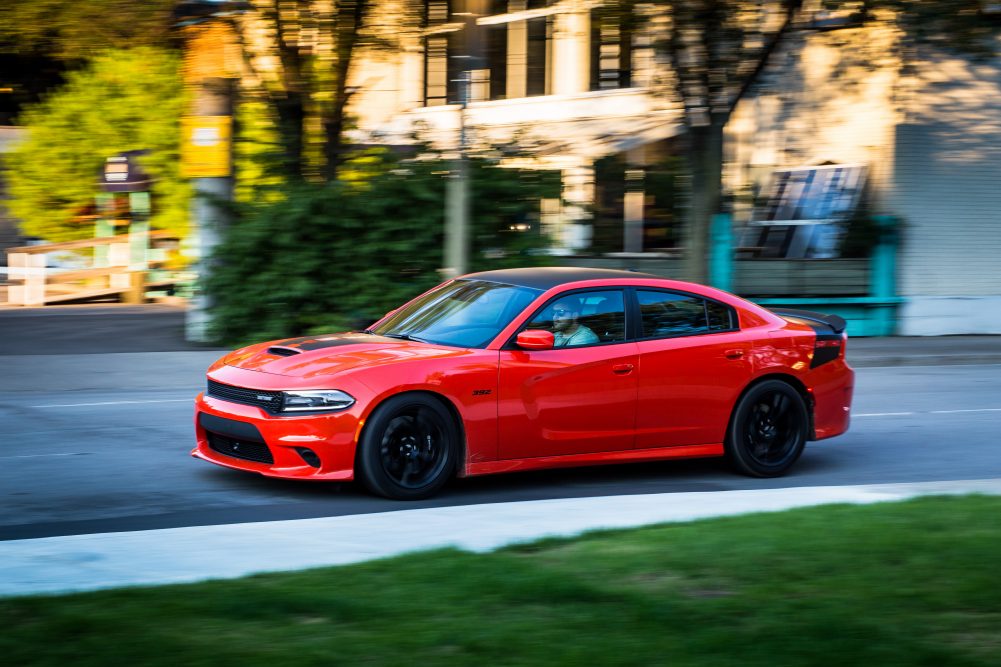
[(338, 255), (301, 53), (124, 100), (40, 40), (967, 27), (70, 30), (719, 48)]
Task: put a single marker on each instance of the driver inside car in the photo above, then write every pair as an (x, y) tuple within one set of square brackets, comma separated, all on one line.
[(567, 331)]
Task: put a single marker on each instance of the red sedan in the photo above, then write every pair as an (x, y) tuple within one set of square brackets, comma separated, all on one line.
[(532, 368)]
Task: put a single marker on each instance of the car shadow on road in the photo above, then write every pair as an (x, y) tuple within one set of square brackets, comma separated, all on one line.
[(240, 497)]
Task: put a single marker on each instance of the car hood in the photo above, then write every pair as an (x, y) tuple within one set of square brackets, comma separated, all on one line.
[(330, 354)]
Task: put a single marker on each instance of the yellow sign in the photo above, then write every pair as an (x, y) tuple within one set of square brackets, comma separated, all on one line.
[(205, 148)]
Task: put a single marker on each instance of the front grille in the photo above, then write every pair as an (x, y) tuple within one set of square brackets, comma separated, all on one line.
[(268, 400), (240, 449)]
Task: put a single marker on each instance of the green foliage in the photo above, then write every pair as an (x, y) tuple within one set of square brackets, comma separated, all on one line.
[(124, 100), (861, 235), (891, 584), (257, 154), (663, 209), (504, 200), (961, 26), (74, 31), (339, 255)]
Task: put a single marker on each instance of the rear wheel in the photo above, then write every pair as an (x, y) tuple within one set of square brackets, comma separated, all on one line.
[(408, 448), (768, 429)]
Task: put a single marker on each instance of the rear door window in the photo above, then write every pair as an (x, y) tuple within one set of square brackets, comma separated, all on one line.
[(665, 314)]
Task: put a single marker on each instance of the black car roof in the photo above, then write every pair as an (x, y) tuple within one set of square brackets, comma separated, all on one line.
[(547, 277)]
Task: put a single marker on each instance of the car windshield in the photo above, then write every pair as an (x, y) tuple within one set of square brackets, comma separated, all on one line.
[(464, 313)]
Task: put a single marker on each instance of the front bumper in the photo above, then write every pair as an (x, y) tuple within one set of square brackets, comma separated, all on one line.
[(246, 437)]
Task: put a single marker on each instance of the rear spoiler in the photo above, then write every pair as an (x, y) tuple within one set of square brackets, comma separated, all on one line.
[(836, 324)]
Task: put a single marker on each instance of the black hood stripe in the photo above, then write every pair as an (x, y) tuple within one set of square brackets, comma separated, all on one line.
[(309, 343)]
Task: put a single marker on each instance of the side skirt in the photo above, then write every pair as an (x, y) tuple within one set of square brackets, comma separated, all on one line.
[(601, 458)]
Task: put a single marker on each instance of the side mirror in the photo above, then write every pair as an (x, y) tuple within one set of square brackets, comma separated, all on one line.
[(535, 339)]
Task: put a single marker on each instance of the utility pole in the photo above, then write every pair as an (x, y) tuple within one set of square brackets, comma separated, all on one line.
[(457, 195), (210, 73), (209, 127)]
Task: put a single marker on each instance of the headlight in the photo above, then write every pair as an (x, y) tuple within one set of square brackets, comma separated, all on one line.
[(316, 401)]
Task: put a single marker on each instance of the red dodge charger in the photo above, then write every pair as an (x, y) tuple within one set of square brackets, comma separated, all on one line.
[(532, 368)]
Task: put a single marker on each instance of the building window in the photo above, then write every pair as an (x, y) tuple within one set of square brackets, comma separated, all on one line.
[(508, 53), (611, 49), (439, 46), (538, 56), (496, 56)]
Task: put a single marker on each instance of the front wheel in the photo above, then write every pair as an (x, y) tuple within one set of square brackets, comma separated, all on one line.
[(408, 448), (768, 430)]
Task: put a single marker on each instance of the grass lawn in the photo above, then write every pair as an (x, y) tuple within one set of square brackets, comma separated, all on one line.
[(914, 583)]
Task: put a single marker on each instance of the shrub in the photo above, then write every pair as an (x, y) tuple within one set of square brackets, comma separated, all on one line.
[(124, 100), (338, 256)]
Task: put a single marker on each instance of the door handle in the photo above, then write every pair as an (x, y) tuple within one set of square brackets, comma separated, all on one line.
[(622, 369), (733, 354)]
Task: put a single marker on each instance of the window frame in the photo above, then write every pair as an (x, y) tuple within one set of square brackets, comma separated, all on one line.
[(626, 308), (637, 315)]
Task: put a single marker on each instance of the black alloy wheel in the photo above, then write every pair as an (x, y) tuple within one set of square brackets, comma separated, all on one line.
[(768, 429), (407, 451)]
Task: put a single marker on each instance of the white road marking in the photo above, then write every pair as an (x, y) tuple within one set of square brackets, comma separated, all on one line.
[(80, 405), (900, 367), (884, 414), (930, 412), (35, 456)]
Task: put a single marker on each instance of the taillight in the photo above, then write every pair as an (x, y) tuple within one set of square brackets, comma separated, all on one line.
[(827, 348)]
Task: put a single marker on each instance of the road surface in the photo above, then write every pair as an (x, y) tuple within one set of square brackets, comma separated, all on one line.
[(98, 443)]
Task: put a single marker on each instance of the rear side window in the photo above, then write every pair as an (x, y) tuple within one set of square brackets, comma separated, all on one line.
[(669, 314), (720, 316)]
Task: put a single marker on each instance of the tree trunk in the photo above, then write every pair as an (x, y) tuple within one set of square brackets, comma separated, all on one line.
[(349, 20), (705, 156), (291, 116), (290, 104)]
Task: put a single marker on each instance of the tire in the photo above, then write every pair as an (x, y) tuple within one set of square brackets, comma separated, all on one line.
[(768, 430), (408, 448)]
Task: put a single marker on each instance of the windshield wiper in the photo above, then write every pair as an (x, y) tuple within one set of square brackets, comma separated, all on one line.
[(406, 336)]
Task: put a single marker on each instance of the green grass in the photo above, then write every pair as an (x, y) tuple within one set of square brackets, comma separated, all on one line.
[(915, 583)]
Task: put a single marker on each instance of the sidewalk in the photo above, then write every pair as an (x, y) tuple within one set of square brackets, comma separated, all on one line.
[(177, 555), (103, 329)]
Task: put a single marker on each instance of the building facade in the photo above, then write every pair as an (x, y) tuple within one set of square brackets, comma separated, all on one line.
[(926, 123), (565, 81), (587, 93)]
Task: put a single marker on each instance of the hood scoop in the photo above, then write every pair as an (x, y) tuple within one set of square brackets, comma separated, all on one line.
[(283, 351)]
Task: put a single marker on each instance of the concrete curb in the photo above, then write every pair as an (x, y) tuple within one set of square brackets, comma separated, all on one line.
[(179, 555), (954, 359)]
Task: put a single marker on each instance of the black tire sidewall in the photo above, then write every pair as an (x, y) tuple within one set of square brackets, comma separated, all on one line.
[(369, 464), (736, 445)]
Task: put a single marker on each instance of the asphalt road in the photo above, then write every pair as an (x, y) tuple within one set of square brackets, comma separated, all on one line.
[(95, 443)]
